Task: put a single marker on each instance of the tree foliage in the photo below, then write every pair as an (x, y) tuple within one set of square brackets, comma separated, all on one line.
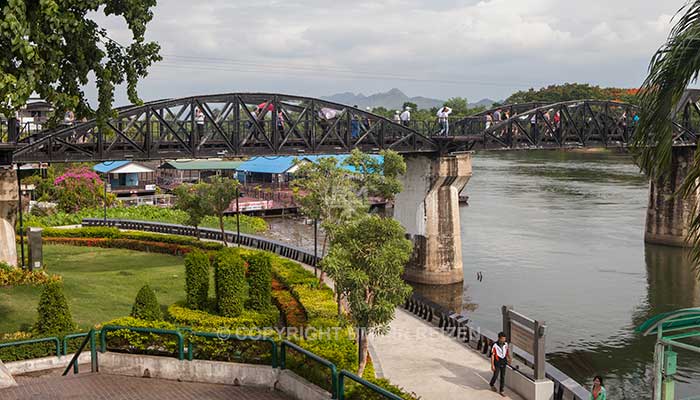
[(572, 91), (79, 188), (204, 199), (54, 314), (53, 47), (672, 68), (375, 177), (366, 262), (146, 305)]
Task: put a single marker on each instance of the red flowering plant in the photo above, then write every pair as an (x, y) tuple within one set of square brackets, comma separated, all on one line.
[(80, 188)]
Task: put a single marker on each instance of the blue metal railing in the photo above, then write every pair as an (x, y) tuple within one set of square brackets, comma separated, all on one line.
[(112, 328)]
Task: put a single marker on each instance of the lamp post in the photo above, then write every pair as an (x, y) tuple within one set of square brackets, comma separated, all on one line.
[(21, 222), (315, 245), (238, 219), (104, 199)]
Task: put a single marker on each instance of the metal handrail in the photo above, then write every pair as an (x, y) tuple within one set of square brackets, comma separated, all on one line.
[(334, 371), (89, 337), (273, 344), (32, 341), (112, 328), (376, 389)]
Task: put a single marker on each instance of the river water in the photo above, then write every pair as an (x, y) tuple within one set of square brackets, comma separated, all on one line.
[(559, 235)]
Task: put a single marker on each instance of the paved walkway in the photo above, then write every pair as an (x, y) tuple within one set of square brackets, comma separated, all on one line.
[(420, 358), (115, 387)]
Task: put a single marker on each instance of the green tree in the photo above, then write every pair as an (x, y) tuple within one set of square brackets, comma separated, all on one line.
[(413, 106), (375, 177), (367, 260), (146, 305), (197, 279), (326, 193), (571, 91), (459, 105), (673, 67), (217, 197), (54, 314), (191, 199), (52, 48)]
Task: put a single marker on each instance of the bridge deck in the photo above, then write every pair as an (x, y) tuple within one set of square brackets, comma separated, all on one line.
[(115, 387)]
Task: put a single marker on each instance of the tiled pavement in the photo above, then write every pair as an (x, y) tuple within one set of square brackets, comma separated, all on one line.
[(115, 387)]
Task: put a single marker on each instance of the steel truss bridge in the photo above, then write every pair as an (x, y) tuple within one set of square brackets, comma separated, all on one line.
[(225, 125)]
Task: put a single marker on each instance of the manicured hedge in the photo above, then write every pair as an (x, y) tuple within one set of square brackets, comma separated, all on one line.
[(201, 320), (114, 233), (259, 280), (197, 267), (141, 343), (54, 314), (146, 305), (231, 285)]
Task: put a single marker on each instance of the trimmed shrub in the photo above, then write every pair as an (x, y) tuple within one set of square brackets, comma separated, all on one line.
[(11, 276), (139, 342), (230, 282), (201, 320), (54, 314), (146, 305), (259, 280), (86, 232), (359, 392), (197, 279)]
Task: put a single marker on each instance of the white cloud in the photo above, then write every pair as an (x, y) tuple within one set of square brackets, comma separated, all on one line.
[(483, 48)]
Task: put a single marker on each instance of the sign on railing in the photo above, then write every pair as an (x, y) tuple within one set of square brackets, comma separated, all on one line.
[(528, 335)]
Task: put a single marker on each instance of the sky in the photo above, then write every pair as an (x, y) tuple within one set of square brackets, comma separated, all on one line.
[(434, 48)]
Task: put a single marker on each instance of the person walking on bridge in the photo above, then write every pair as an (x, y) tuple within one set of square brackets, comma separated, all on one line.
[(406, 116), (443, 116), (397, 117), (500, 358)]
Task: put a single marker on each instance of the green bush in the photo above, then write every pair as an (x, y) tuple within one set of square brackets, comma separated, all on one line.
[(85, 232), (144, 213), (141, 343), (114, 233), (259, 280), (54, 314), (146, 305), (201, 320), (230, 282), (197, 279), (25, 351), (358, 392)]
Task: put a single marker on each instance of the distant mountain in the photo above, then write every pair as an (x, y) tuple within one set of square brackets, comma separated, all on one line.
[(393, 99)]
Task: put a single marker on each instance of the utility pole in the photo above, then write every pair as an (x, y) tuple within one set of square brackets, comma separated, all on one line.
[(21, 222)]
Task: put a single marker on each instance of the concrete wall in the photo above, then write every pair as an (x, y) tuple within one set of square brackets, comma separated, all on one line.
[(226, 373), (428, 207), (529, 390), (8, 210), (668, 217), (45, 363)]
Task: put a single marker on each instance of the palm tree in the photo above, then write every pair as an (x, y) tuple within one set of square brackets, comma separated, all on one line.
[(673, 67)]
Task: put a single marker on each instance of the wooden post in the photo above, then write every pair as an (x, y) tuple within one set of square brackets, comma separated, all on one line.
[(539, 350), (506, 321)]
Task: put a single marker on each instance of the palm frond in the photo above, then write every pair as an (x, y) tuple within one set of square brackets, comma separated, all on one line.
[(675, 65)]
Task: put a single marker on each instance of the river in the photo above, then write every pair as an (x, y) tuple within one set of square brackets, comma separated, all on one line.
[(559, 235)]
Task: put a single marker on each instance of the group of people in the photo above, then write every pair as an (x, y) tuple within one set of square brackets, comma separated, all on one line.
[(501, 357), (443, 116)]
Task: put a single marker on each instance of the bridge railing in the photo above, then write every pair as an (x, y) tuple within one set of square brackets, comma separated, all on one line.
[(256, 242), (468, 333)]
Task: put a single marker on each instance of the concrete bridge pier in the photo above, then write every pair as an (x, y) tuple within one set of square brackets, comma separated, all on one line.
[(8, 210), (428, 207), (668, 217)]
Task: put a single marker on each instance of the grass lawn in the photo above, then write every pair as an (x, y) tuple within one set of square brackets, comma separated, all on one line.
[(100, 284)]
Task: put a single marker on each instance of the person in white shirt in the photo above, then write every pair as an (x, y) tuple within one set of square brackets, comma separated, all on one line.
[(397, 117), (489, 120), (405, 116), (443, 116)]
